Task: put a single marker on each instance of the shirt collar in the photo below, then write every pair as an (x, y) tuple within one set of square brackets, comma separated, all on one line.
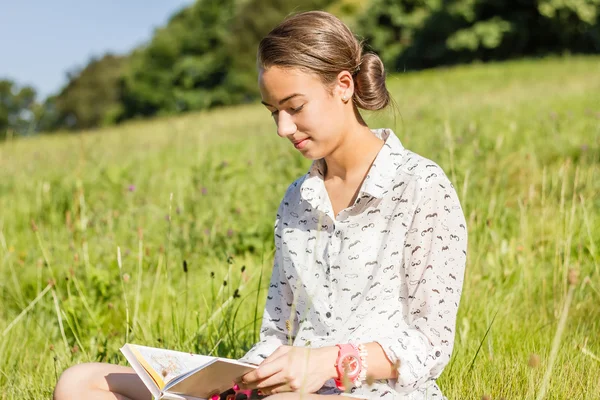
[(378, 180)]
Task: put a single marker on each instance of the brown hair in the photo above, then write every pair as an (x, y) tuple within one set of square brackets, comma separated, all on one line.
[(318, 42)]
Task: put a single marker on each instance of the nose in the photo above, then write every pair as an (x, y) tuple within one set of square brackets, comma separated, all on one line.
[(285, 124)]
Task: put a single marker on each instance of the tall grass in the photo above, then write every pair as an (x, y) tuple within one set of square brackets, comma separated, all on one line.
[(160, 232)]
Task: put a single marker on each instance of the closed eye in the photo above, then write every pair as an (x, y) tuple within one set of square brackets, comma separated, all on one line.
[(293, 110)]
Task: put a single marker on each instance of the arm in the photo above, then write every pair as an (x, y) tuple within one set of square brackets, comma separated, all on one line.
[(274, 330), (434, 260)]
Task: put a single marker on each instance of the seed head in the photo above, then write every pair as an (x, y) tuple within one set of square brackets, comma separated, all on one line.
[(534, 361), (185, 267), (573, 276)]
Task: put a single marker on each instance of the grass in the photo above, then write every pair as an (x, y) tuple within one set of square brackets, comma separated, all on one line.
[(95, 229)]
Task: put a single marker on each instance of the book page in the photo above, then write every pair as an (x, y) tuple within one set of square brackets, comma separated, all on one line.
[(215, 378), (165, 365)]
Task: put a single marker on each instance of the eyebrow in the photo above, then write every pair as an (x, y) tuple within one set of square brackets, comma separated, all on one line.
[(284, 100)]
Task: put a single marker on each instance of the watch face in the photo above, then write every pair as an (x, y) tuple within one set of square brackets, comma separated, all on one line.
[(351, 364)]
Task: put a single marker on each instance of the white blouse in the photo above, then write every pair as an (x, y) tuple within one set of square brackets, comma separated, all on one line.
[(387, 269)]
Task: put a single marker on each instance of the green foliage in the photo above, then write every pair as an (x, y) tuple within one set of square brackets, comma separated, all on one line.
[(413, 34), (91, 98), (184, 66), (17, 108), (204, 188)]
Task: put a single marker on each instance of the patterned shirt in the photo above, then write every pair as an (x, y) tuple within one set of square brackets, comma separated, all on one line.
[(388, 269)]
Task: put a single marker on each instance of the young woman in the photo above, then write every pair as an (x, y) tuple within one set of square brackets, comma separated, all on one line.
[(370, 243)]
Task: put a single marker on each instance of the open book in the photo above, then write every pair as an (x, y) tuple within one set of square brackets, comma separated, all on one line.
[(176, 375)]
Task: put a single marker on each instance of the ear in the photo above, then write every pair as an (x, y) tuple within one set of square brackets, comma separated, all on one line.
[(344, 85)]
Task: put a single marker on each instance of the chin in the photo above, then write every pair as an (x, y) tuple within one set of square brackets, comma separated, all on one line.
[(312, 155)]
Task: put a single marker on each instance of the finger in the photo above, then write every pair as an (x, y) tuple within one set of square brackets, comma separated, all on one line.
[(275, 389), (281, 350), (265, 370), (277, 379)]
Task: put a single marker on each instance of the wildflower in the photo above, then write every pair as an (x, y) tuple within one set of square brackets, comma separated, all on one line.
[(204, 191), (131, 188), (229, 232), (126, 278)]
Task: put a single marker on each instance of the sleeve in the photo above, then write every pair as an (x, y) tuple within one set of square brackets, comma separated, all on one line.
[(434, 258), (278, 307)]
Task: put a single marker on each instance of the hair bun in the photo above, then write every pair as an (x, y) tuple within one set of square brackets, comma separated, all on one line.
[(370, 92)]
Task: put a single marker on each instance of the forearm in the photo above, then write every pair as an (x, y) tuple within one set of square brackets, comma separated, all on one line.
[(379, 366)]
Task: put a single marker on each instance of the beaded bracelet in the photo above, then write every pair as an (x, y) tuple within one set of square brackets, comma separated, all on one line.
[(362, 375)]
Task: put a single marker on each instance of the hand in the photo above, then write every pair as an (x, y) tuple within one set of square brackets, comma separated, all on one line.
[(293, 369)]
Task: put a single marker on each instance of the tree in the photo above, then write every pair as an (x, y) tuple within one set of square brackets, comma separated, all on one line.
[(16, 108), (414, 34), (184, 65), (91, 98)]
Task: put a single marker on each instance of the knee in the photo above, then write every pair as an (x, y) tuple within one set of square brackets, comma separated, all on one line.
[(72, 382)]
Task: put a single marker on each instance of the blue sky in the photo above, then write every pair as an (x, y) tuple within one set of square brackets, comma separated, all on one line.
[(41, 40)]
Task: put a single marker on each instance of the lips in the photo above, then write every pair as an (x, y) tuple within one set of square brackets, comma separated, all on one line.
[(299, 144)]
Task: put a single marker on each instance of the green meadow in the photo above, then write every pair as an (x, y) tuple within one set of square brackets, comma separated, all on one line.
[(159, 232)]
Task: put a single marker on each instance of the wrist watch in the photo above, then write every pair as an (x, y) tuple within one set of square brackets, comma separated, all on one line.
[(348, 364)]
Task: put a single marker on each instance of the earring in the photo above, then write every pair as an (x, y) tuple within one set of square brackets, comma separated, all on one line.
[(344, 99)]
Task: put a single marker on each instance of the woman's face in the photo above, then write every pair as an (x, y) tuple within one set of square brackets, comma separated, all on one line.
[(304, 110)]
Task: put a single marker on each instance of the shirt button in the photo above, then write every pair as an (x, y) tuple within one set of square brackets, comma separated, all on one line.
[(437, 354), (328, 314)]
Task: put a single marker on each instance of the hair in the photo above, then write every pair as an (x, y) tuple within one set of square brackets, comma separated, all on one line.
[(318, 42)]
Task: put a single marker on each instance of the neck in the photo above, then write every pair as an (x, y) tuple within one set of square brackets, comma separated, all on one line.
[(354, 155)]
